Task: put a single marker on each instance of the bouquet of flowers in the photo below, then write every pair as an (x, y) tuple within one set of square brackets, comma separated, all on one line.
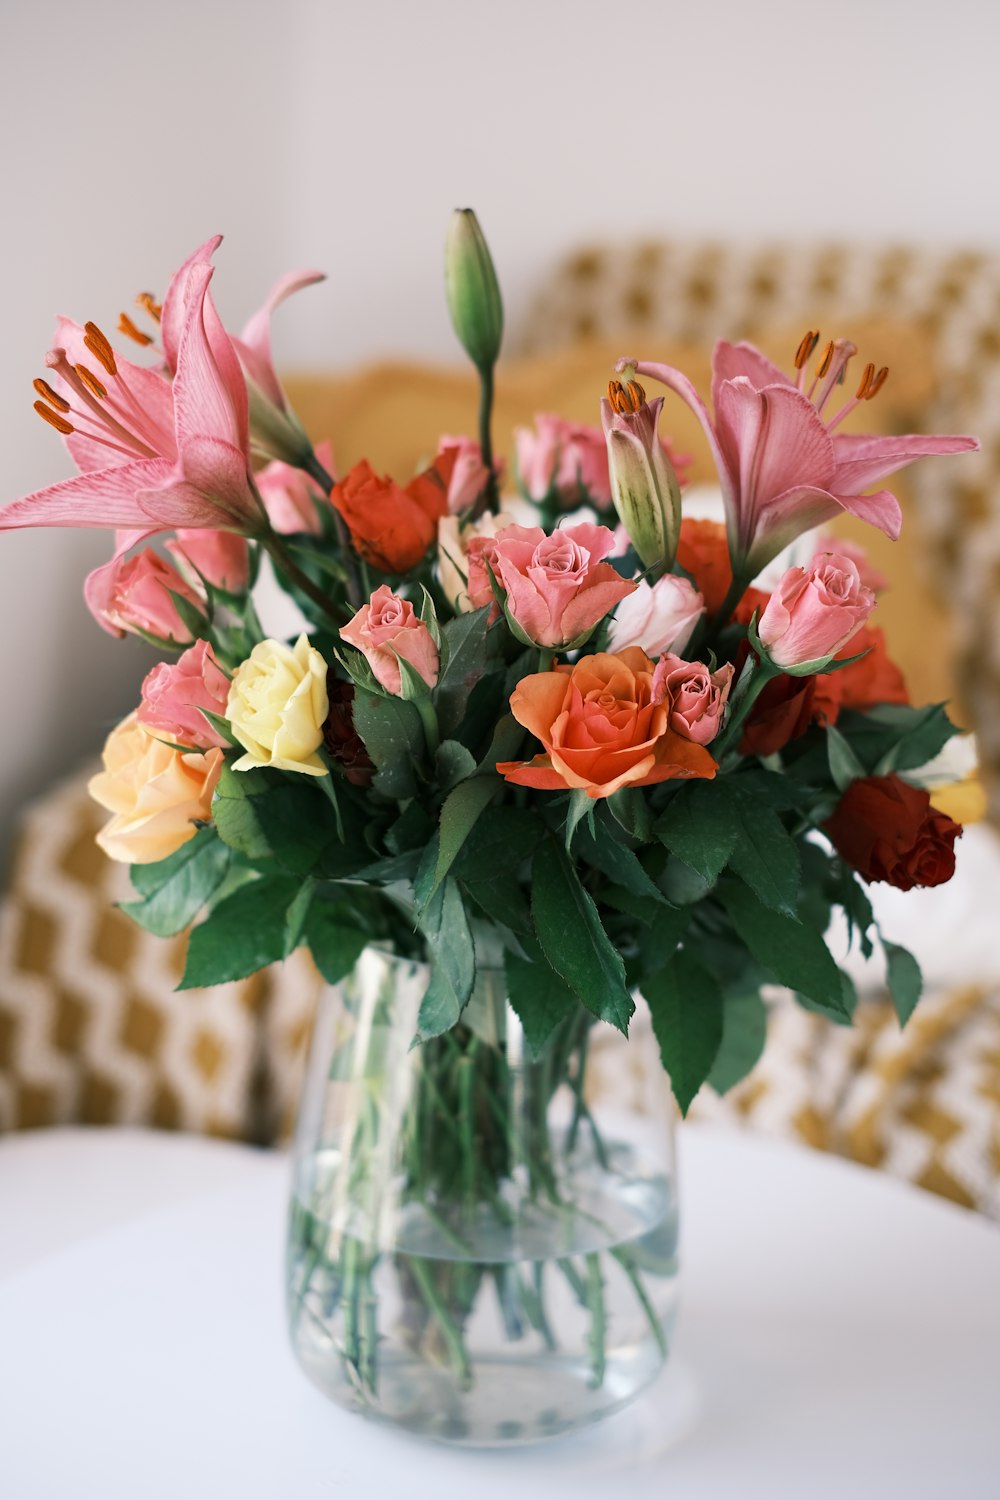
[(561, 749)]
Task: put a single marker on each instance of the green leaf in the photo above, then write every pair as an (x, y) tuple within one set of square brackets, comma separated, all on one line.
[(698, 827), (462, 807), (578, 807), (744, 1032), (630, 810), (842, 1013), (464, 653), (923, 736), (174, 890), (452, 764), (502, 839), (267, 815), (763, 854), (335, 945), (681, 885), (795, 954), (620, 864), (244, 933), (393, 735), (686, 1005), (903, 976), (574, 941), (295, 917), (844, 764), (539, 997), (452, 955)]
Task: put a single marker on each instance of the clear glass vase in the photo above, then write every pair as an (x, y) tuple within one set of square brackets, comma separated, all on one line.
[(478, 1250)]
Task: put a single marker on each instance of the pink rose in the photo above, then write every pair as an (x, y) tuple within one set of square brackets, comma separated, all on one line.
[(697, 697), (557, 587), (289, 495), (567, 458), (388, 631), (872, 577), (814, 612), (133, 593), (173, 693), (469, 476), (220, 557), (658, 617)]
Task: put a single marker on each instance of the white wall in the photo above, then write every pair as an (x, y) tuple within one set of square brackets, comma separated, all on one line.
[(341, 134)]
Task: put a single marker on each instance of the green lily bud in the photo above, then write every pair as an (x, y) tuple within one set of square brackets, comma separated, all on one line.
[(473, 293), (644, 486)]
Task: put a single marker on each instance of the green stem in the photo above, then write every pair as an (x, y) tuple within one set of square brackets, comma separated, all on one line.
[(355, 593), (450, 1330), (763, 672), (598, 1319), (624, 1259), (490, 497), (428, 718), (279, 554)]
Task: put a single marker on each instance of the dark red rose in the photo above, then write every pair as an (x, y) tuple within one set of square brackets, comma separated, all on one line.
[(340, 736), (888, 830)]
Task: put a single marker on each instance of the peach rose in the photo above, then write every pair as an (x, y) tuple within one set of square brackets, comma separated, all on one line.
[(696, 696), (173, 694), (388, 630), (557, 587), (602, 728), (156, 792)]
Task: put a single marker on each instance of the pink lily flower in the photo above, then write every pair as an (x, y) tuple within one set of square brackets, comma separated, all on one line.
[(782, 465), (155, 454), (277, 431)]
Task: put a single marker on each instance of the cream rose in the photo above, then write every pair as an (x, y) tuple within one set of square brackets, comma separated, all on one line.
[(155, 791), (277, 706)]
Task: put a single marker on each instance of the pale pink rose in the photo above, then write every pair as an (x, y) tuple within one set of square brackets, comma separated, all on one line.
[(557, 587), (469, 476), (173, 693), (134, 595), (567, 458), (658, 617), (873, 578), (814, 612), (290, 496), (387, 630), (220, 557), (696, 695)]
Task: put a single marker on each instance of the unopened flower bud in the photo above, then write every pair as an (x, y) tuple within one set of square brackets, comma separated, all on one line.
[(473, 293), (644, 486)]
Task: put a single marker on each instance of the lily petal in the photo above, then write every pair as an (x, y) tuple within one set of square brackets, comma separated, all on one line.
[(732, 360), (210, 394), (103, 497), (863, 460), (254, 344), (175, 303), (681, 386)]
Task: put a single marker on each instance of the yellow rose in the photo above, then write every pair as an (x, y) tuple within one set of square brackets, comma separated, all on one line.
[(277, 707), (155, 791)]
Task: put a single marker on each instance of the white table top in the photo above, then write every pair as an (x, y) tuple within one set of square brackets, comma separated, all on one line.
[(839, 1336)]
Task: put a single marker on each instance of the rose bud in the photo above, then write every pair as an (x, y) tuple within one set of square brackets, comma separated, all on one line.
[(644, 485), (388, 631), (658, 617), (813, 613), (136, 594), (221, 558), (695, 696), (472, 290)]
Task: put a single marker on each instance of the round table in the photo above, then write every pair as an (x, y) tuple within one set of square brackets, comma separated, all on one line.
[(839, 1335)]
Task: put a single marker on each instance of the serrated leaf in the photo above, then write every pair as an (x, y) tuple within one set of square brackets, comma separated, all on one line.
[(445, 925), (464, 655), (295, 917), (630, 811), (904, 978), (744, 1032), (459, 813), (502, 839), (795, 954), (540, 999), (698, 827), (270, 816), (573, 939), (393, 735), (245, 932), (685, 1002), (620, 864), (452, 764), (845, 766), (174, 890), (763, 853), (335, 945)]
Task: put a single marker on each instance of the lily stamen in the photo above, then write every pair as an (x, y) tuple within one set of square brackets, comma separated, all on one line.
[(126, 326), (149, 304), (625, 398), (87, 387), (53, 418), (99, 347), (91, 382), (48, 394), (868, 387)]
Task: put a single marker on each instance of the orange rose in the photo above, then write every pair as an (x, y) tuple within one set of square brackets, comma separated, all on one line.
[(874, 679), (601, 727), (702, 551), (392, 527)]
